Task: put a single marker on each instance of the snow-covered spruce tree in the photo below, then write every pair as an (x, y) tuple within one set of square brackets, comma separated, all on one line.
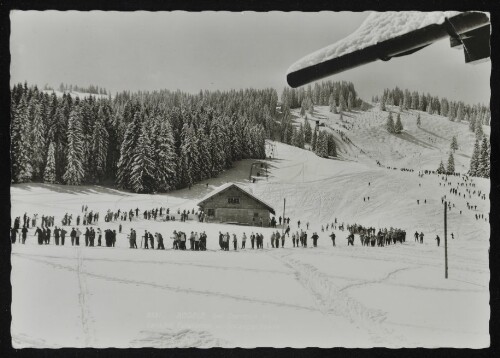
[(38, 137), (450, 169), (460, 112), (314, 140), (300, 137), (99, 142), (143, 167), (382, 104), (307, 131), (204, 152), (127, 151), (342, 103), (49, 175), (418, 120), (216, 148), (441, 169), (390, 123), (332, 147), (479, 130), (474, 160), (331, 103), (398, 128), (472, 122), (454, 144), (74, 173), (20, 147), (483, 169), (451, 111), (350, 101), (189, 157)]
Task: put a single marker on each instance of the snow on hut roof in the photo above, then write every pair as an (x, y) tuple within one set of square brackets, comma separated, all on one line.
[(226, 186)]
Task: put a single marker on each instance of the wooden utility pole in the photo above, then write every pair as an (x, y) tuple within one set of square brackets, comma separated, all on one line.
[(445, 243)]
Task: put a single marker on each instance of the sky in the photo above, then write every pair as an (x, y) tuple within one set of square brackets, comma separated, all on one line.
[(217, 51)]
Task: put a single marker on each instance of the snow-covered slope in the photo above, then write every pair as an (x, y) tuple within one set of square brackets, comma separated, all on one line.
[(393, 296)]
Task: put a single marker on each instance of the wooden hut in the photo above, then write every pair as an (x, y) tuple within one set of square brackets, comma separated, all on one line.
[(232, 204)]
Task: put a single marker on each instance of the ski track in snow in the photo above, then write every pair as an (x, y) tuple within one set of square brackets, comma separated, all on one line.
[(160, 286), (332, 301)]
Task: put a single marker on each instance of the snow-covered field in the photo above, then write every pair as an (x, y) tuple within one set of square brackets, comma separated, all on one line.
[(393, 296)]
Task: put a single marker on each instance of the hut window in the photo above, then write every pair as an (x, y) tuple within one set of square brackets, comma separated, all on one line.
[(255, 215), (211, 212), (232, 200)]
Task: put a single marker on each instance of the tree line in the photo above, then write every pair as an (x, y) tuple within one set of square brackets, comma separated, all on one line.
[(145, 142), (453, 110)]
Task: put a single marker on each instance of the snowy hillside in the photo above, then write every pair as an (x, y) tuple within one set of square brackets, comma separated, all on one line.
[(418, 148), (393, 296)]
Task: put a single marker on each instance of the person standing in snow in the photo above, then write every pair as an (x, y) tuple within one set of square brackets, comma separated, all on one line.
[(77, 237), (99, 237), (196, 242), (235, 242), (416, 236), (243, 240), (421, 237), (73, 236), (277, 239), (305, 239), (438, 239), (273, 236), (307, 225), (252, 239), (47, 236), (332, 236), (151, 240), (221, 240), (315, 238), (63, 236), (145, 237), (87, 234), (24, 233)]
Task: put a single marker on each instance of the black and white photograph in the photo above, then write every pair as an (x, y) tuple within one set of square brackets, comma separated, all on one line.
[(250, 179)]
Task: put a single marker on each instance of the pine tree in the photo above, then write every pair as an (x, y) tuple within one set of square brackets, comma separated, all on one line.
[(454, 144), (307, 131), (419, 123), (314, 140), (483, 169), (390, 123), (460, 112), (332, 148), (74, 173), (331, 103), (474, 160), (38, 138), (49, 175), (142, 167), (99, 147), (479, 130), (342, 103), (450, 169), (127, 150), (20, 148), (398, 128), (350, 101), (472, 123), (382, 104), (441, 169)]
